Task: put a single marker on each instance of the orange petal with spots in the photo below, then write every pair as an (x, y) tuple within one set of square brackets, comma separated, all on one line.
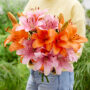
[(15, 46)]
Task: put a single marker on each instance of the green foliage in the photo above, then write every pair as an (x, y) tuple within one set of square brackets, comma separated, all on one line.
[(88, 28), (13, 6), (82, 68), (80, 1), (4, 22), (5, 54), (88, 13), (13, 77)]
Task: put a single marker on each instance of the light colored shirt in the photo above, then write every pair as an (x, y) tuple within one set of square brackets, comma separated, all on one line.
[(71, 9)]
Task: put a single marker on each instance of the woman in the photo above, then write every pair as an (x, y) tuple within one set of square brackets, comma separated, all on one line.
[(71, 9)]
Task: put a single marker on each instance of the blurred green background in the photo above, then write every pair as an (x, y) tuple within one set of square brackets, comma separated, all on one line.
[(13, 74)]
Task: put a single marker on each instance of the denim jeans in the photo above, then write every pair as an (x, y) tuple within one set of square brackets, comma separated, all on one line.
[(64, 81)]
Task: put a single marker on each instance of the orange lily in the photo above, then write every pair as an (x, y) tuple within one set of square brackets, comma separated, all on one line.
[(59, 43), (16, 36), (44, 38), (68, 38), (73, 39)]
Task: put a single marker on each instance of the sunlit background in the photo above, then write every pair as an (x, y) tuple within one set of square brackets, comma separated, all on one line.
[(14, 75)]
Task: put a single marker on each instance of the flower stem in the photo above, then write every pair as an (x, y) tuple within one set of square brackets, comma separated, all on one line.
[(47, 78), (42, 77)]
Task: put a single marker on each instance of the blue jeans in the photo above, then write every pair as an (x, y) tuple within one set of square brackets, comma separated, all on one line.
[(65, 81)]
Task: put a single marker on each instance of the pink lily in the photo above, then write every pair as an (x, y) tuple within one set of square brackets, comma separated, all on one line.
[(27, 52), (46, 61), (63, 64), (30, 20), (71, 56), (48, 22), (27, 24)]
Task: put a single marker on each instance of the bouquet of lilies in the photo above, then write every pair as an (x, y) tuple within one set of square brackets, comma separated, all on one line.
[(46, 42)]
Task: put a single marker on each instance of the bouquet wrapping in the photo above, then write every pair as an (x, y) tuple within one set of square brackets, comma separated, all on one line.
[(45, 42)]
